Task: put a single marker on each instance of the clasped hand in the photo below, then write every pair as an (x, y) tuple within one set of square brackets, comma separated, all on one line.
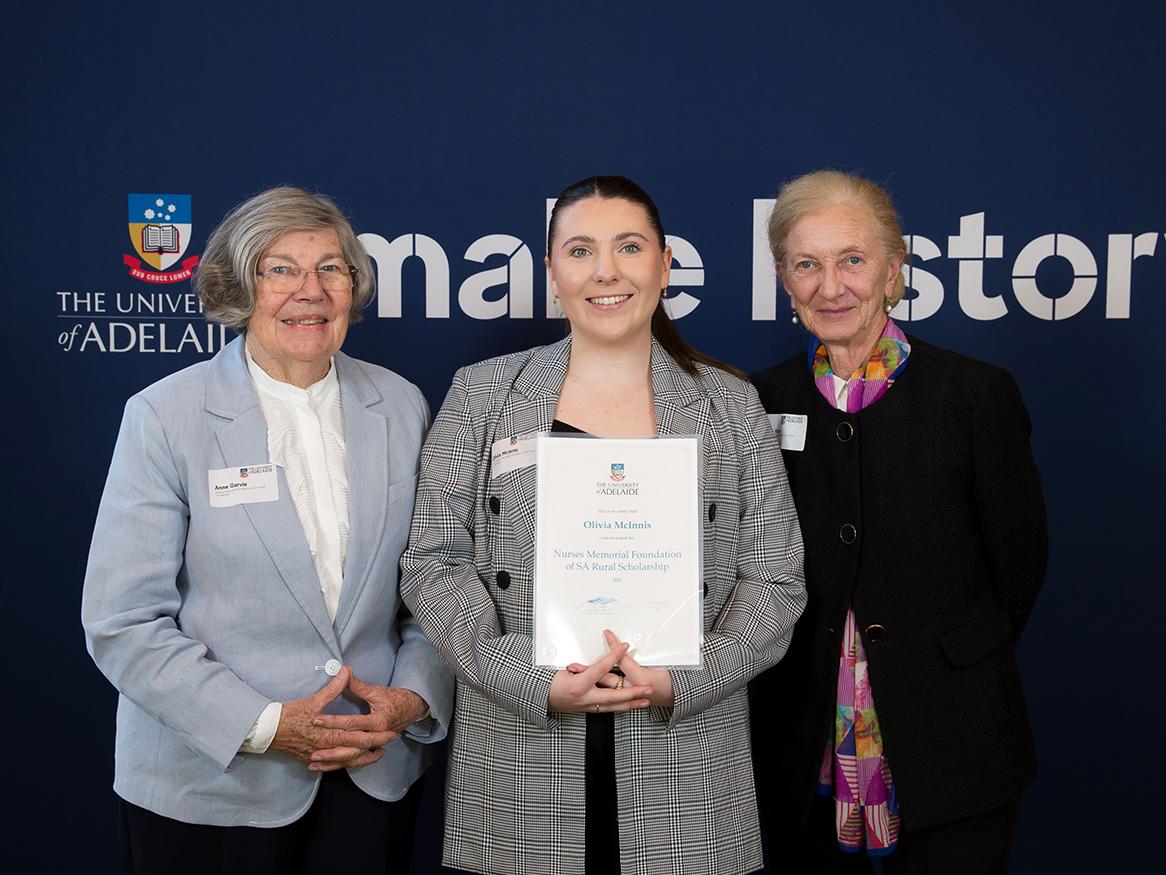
[(327, 742), (596, 688)]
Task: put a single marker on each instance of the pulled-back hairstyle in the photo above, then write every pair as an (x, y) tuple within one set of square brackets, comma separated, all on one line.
[(225, 277), (663, 328), (829, 188)]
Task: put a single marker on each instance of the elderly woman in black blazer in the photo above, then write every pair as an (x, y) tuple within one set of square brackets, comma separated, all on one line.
[(925, 540)]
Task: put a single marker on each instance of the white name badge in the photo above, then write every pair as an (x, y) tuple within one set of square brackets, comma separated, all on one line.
[(512, 453), (245, 485), (790, 429)]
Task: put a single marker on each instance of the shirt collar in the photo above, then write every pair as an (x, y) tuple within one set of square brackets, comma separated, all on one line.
[(286, 391), (840, 387)]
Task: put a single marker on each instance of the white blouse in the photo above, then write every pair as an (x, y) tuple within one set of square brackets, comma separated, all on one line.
[(840, 392), (306, 438)]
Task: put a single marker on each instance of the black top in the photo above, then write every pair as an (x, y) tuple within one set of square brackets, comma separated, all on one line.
[(923, 511), (601, 834)]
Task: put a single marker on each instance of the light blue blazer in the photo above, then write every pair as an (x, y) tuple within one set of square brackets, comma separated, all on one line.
[(201, 616)]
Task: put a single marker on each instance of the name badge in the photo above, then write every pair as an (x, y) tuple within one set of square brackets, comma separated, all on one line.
[(790, 429), (512, 453), (246, 485)]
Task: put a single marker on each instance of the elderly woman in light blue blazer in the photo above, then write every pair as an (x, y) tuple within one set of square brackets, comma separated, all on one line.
[(276, 700)]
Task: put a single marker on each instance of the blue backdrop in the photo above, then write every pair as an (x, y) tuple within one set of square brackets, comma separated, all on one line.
[(1023, 144)]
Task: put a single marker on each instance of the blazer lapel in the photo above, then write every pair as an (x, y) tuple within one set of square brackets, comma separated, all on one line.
[(367, 433), (242, 439), (532, 404), (681, 407), (530, 407)]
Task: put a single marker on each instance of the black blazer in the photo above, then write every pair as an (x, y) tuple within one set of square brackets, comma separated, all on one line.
[(924, 512)]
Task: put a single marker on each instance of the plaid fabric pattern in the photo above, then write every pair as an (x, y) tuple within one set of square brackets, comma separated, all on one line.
[(515, 794)]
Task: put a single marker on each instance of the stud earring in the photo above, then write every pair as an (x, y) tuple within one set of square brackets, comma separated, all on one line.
[(555, 295)]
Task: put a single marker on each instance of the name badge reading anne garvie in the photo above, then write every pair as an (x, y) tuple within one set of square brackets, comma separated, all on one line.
[(244, 485)]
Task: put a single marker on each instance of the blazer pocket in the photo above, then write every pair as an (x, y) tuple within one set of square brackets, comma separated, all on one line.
[(978, 638)]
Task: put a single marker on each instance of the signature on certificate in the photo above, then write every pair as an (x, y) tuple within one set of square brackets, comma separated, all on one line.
[(600, 601)]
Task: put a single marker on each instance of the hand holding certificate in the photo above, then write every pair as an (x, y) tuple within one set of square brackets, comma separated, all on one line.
[(617, 547)]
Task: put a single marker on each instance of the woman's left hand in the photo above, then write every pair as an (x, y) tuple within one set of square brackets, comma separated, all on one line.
[(635, 675), (390, 710)]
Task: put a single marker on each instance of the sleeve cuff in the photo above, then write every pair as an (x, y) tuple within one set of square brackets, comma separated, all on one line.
[(422, 729), (262, 732)]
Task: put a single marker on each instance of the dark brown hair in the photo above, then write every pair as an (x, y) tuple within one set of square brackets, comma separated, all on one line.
[(663, 328)]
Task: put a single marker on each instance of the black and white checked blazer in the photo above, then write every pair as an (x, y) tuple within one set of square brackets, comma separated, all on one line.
[(515, 794)]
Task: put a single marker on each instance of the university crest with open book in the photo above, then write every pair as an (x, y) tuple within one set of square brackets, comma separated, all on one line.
[(160, 226)]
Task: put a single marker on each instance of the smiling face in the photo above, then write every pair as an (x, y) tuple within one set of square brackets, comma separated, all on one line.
[(839, 277), (293, 335), (608, 269)]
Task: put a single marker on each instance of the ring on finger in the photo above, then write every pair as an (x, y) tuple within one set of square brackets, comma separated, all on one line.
[(619, 683), (597, 708)]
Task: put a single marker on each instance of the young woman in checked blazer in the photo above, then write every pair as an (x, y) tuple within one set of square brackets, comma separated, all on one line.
[(586, 770)]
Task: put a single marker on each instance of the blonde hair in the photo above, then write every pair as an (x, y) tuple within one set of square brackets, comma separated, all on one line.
[(829, 188)]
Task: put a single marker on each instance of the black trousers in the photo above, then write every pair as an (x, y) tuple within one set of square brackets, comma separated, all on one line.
[(601, 823), (979, 845), (345, 829)]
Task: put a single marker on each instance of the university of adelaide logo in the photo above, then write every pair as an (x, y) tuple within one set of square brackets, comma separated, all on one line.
[(616, 482), (160, 227)]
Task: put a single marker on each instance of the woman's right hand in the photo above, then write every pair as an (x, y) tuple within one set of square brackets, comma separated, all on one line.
[(299, 737), (580, 691)]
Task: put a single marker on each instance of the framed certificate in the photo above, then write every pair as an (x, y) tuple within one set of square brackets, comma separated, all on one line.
[(617, 546)]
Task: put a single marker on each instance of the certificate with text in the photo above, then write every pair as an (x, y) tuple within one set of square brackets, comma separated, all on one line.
[(618, 546)]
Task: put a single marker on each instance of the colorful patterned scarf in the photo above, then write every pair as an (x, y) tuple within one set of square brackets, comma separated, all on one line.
[(866, 385), (854, 770)]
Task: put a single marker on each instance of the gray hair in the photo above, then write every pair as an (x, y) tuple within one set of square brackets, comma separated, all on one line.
[(225, 277), (828, 188)]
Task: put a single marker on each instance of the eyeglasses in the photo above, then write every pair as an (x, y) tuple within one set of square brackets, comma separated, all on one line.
[(284, 278)]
